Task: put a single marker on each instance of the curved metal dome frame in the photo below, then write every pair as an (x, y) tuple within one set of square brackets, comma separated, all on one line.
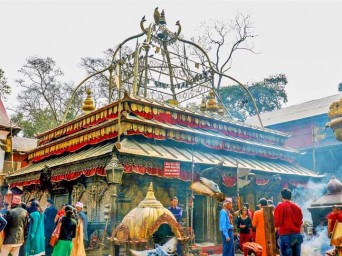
[(156, 32)]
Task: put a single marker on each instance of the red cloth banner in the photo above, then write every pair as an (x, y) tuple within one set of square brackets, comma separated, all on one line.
[(229, 181)]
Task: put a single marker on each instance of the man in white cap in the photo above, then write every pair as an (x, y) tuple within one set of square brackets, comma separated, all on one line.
[(226, 228), (84, 218)]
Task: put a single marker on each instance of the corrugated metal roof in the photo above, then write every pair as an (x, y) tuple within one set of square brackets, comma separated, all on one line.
[(296, 112), (157, 150), (78, 156)]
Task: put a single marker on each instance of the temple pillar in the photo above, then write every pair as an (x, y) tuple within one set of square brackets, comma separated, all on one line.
[(269, 231)]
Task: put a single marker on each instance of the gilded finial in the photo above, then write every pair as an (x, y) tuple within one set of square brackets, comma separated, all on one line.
[(150, 192), (150, 199), (203, 106), (162, 20), (335, 116), (88, 104), (212, 105)]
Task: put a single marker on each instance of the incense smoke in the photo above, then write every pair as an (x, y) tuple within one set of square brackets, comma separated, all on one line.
[(318, 244), (304, 197)]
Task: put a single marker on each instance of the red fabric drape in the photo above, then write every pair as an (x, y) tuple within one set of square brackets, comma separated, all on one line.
[(229, 181), (262, 182), (74, 175), (24, 183)]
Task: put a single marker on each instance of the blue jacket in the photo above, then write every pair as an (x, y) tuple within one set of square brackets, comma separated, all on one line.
[(177, 212), (84, 218), (225, 224), (35, 243), (49, 221)]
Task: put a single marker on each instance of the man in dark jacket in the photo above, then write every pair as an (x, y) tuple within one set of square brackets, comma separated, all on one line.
[(49, 225), (17, 220)]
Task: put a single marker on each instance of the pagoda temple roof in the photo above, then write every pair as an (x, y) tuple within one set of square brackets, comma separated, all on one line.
[(111, 110), (84, 145), (90, 153), (207, 115), (175, 153), (208, 133), (100, 155), (163, 121)]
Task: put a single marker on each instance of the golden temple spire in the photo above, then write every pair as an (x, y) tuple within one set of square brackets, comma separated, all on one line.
[(203, 105), (211, 104), (162, 19), (150, 199), (150, 193), (88, 104)]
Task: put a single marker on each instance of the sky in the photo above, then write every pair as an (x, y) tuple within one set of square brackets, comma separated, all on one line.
[(301, 39)]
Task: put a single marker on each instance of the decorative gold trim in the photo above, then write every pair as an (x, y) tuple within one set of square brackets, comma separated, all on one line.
[(176, 228), (120, 234)]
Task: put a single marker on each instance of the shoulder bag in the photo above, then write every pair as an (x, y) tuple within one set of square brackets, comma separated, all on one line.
[(56, 233)]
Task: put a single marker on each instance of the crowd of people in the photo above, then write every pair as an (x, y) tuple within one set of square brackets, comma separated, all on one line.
[(26, 229), (288, 220)]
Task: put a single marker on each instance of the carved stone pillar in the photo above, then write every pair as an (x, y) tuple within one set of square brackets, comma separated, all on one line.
[(77, 192)]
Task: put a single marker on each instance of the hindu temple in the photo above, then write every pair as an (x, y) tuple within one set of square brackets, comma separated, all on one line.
[(107, 157)]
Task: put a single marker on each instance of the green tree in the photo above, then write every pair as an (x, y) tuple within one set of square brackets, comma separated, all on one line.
[(269, 95), (5, 89), (43, 98)]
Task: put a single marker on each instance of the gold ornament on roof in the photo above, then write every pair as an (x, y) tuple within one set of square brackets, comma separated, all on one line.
[(212, 105), (162, 19), (150, 199), (335, 116), (88, 104), (220, 110), (173, 102), (203, 106)]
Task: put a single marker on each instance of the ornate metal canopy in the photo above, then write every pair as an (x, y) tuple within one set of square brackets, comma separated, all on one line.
[(160, 64)]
